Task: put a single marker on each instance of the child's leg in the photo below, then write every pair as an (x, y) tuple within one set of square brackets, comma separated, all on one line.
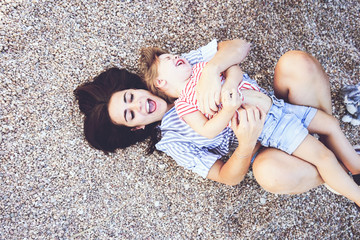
[(328, 128), (314, 152), (300, 79)]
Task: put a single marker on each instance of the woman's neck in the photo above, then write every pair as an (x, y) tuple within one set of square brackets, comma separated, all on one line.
[(169, 106)]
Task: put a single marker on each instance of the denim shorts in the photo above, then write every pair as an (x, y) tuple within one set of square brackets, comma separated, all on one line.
[(286, 125)]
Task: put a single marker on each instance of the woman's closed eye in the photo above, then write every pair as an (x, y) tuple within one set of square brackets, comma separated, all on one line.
[(128, 114), (128, 97)]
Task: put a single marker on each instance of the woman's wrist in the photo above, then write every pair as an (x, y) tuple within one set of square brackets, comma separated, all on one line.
[(212, 67), (243, 152)]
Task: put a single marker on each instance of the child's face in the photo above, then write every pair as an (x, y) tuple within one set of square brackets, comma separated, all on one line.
[(173, 69)]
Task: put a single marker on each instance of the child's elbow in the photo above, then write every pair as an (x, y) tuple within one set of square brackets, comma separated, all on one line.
[(243, 48), (209, 135)]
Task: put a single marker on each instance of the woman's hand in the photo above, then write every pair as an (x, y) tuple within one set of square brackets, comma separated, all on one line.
[(247, 125), (208, 89), (231, 100), (234, 76)]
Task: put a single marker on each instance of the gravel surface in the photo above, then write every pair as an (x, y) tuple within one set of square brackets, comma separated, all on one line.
[(54, 186)]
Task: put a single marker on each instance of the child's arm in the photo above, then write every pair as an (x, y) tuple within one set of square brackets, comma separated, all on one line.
[(211, 128), (208, 89)]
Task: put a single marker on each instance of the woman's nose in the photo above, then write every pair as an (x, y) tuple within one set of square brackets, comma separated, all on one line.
[(176, 56), (136, 106)]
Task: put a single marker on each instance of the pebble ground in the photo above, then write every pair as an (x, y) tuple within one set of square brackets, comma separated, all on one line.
[(54, 186)]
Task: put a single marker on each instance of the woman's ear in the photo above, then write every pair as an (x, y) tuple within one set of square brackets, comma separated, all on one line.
[(138, 128)]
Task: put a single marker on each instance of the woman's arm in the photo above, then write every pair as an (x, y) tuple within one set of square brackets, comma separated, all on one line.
[(208, 89), (247, 127)]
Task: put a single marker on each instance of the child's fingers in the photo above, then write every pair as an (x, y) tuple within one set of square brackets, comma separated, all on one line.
[(200, 102), (217, 98), (212, 105), (224, 96)]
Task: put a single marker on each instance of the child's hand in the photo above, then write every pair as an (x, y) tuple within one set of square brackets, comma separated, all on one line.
[(231, 100)]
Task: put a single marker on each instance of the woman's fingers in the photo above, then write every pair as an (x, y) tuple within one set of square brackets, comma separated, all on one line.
[(243, 117), (234, 121), (257, 114), (249, 116), (262, 114), (254, 113), (250, 111)]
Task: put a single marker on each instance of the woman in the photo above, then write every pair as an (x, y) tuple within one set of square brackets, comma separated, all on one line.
[(118, 96)]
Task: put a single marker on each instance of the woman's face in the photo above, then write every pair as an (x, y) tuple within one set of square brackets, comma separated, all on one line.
[(136, 108)]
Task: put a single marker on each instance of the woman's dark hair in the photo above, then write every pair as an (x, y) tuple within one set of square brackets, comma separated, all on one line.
[(93, 98)]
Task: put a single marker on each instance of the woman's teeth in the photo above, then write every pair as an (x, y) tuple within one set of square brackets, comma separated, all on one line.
[(147, 106)]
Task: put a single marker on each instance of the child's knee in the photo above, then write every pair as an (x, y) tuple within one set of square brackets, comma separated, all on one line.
[(334, 122), (324, 124), (331, 124), (325, 156)]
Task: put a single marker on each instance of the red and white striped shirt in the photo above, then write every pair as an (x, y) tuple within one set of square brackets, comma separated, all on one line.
[(187, 102)]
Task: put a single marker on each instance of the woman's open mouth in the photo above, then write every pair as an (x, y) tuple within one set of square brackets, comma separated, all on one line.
[(150, 106)]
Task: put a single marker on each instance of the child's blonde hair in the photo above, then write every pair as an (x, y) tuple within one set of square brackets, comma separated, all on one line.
[(148, 65)]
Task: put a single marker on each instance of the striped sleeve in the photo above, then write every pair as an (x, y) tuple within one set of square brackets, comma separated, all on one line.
[(248, 86), (202, 54), (183, 108), (187, 155), (189, 149)]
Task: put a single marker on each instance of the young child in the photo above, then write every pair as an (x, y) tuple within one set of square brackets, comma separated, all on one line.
[(286, 126)]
